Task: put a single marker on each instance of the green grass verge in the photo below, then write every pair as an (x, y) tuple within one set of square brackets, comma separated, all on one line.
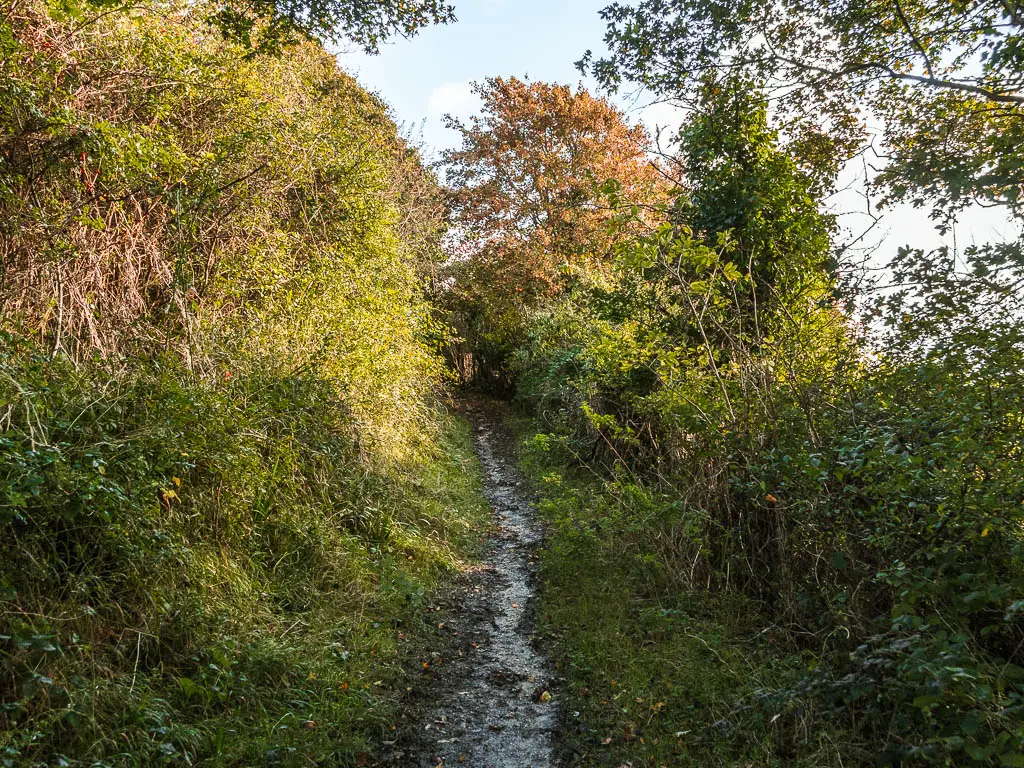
[(654, 675), (211, 573)]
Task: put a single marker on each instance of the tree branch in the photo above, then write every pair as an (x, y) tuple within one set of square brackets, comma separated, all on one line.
[(931, 81), (913, 36)]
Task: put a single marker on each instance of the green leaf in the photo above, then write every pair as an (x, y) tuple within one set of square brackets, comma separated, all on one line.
[(976, 752)]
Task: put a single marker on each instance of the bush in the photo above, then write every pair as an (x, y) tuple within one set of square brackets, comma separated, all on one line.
[(206, 572), (163, 188), (863, 495), (226, 484)]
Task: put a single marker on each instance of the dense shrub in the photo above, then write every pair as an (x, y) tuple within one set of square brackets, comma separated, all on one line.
[(195, 571), (164, 188), (863, 493), (226, 485)]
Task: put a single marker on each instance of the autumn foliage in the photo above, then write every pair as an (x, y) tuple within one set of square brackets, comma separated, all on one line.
[(530, 192)]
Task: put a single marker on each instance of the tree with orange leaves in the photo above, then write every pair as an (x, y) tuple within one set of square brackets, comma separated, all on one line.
[(528, 194)]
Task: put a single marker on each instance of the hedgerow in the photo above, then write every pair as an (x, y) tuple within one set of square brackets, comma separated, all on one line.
[(227, 483), (716, 427)]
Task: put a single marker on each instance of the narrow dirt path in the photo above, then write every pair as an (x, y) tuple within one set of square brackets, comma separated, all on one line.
[(493, 708)]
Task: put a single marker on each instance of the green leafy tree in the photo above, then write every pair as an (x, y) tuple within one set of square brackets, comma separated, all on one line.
[(266, 25), (724, 300), (865, 496), (366, 22), (944, 77)]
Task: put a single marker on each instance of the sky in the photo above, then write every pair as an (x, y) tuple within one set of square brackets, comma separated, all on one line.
[(430, 75)]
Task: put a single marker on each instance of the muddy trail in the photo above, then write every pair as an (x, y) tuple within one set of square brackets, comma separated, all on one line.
[(490, 705)]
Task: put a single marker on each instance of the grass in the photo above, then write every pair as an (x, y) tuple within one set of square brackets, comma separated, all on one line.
[(209, 572), (655, 675)]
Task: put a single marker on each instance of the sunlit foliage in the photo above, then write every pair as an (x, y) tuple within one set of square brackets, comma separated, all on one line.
[(532, 219), (225, 484), (943, 78), (720, 424), (161, 189)]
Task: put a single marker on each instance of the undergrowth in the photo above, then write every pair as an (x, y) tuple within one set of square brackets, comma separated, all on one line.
[(209, 572), (654, 675), (787, 539)]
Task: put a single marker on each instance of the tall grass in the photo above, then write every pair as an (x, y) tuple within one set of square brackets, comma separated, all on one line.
[(199, 571), (226, 486)]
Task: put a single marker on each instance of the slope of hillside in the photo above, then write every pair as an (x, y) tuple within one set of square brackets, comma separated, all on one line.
[(227, 484)]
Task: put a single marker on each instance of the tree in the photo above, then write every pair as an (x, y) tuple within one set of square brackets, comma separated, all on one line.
[(867, 499), (268, 24), (733, 290), (945, 77), (526, 189), (742, 185)]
